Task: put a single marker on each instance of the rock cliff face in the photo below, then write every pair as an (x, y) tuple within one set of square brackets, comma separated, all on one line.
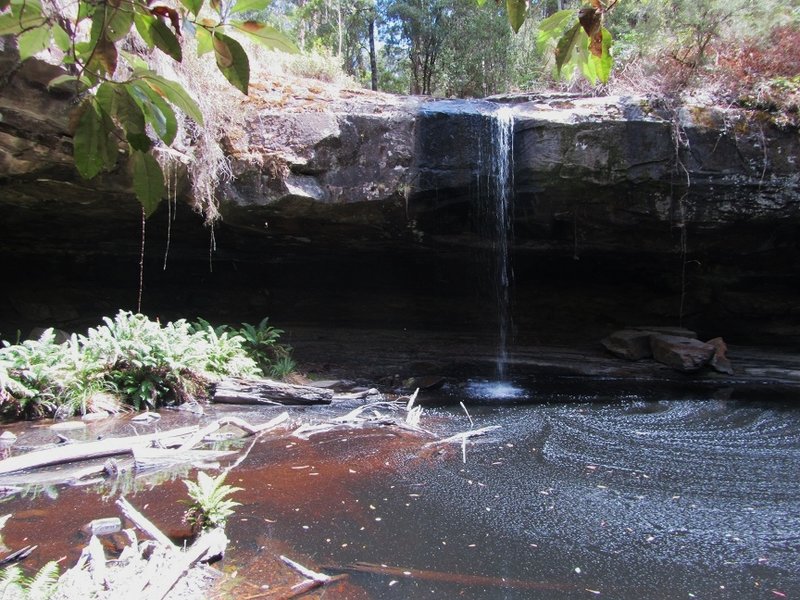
[(364, 212)]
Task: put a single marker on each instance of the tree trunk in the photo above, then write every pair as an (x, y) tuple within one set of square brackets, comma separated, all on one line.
[(373, 58)]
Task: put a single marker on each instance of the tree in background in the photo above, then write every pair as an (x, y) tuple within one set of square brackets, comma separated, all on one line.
[(476, 56), (342, 29), (418, 28)]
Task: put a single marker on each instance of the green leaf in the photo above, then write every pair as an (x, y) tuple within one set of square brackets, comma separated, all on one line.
[(567, 43), (516, 10), (144, 24), (605, 63), (65, 82), (250, 5), (552, 27), (116, 102), (148, 181), (165, 40), (61, 38), (33, 41), (93, 147), (232, 61), (174, 93), (266, 35), (134, 60), (193, 6), (22, 17), (155, 109), (205, 40), (111, 23)]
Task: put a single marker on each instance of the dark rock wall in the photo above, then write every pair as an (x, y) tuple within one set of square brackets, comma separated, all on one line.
[(366, 217)]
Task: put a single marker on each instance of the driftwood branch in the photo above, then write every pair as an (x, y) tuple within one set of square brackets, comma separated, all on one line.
[(266, 391), (133, 444), (88, 450), (144, 524), (235, 421), (460, 438), (312, 579)]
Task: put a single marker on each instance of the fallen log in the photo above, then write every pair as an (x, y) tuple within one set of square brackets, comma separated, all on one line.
[(463, 579), (266, 391), (88, 450)]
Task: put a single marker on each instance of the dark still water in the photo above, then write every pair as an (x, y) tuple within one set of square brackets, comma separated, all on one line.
[(631, 499)]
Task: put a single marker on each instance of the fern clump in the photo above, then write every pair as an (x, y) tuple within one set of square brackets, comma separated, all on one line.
[(210, 504), (132, 357), (14, 585)]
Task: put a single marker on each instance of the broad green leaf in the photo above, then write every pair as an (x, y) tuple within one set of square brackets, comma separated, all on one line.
[(551, 28), (111, 23), (114, 100), (582, 59), (144, 24), (85, 10), (175, 94), (134, 60), (155, 109), (21, 17), (148, 181), (93, 147), (249, 5), (65, 82), (33, 41), (205, 41), (605, 62), (567, 43), (61, 38), (165, 40), (105, 97), (516, 10), (232, 61), (193, 6), (266, 35)]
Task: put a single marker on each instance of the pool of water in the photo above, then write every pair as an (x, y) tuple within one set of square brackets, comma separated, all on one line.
[(626, 498)]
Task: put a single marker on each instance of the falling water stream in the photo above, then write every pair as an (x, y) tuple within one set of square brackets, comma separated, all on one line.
[(496, 200)]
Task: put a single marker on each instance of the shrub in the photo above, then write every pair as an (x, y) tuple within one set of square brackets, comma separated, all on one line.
[(142, 361)]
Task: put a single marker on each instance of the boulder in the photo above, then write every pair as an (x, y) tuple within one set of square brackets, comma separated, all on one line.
[(720, 361), (681, 353), (629, 343)]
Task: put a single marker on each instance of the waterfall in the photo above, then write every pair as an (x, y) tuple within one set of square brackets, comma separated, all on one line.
[(499, 213), (495, 226)]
